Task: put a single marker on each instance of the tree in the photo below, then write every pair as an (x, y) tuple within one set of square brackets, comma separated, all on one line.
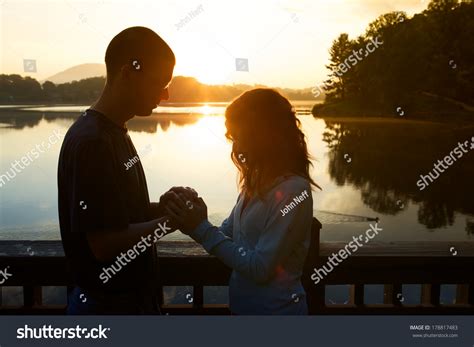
[(429, 54), (443, 5), (49, 90), (336, 85), (386, 21)]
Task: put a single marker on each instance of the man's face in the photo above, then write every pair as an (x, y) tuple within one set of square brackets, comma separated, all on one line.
[(149, 86)]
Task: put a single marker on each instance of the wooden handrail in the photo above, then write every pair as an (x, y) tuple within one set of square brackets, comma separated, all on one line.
[(184, 263)]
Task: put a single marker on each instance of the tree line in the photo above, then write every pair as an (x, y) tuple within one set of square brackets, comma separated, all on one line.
[(15, 89), (424, 62)]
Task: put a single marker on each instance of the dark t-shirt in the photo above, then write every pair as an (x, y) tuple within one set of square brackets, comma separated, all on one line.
[(101, 185)]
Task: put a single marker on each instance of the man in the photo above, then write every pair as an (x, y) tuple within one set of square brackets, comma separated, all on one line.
[(106, 218)]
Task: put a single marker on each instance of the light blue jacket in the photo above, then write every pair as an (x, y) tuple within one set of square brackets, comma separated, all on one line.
[(266, 247)]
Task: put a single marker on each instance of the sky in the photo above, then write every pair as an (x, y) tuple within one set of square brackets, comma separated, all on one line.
[(278, 43)]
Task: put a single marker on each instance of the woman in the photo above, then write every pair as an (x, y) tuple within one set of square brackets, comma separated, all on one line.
[(266, 238)]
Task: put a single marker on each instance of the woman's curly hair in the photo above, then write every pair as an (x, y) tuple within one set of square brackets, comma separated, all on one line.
[(267, 140)]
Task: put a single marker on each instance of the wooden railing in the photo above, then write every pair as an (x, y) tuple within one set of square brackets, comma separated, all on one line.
[(34, 264)]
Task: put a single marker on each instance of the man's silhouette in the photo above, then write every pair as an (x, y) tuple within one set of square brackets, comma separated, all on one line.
[(106, 218)]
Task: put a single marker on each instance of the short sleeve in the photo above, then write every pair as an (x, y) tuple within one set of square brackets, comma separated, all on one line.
[(95, 198)]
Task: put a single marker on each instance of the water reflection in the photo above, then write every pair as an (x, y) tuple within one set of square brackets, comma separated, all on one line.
[(367, 168), (384, 160), (20, 119)]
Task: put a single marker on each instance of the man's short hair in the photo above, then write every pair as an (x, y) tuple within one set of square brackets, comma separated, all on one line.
[(140, 44)]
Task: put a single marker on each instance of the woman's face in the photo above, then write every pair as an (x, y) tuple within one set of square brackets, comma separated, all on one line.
[(238, 142)]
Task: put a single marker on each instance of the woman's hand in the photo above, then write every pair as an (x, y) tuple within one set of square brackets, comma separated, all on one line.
[(186, 213), (173, 193)]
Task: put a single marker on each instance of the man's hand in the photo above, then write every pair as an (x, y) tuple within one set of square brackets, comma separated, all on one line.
[(186, 214), (173, 194)]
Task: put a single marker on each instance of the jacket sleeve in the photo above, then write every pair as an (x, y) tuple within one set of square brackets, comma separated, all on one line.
[(282, 232)]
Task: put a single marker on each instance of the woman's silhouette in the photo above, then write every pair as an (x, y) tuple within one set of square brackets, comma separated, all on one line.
[(266, 238)]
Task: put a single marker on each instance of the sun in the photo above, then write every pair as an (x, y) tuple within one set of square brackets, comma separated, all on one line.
[(205, 110)]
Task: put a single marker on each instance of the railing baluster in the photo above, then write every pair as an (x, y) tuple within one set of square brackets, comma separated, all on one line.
[(435, 294), (357, 295), (190, 267), (397, 294), (387, 294), (198, 297), (430, 294), (160, 294), (462, 293), (470, 298), (32, 296)]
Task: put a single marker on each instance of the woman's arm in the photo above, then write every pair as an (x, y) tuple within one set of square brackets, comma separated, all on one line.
[(227, 226), (281, 234)]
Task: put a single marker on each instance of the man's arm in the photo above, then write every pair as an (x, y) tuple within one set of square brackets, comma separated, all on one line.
[(108, 244), (157, 209), (104, 217)]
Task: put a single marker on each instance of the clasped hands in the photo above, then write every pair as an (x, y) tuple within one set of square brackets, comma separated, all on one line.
[(184, 207)]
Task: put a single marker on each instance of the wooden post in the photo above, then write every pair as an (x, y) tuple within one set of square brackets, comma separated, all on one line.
[(315, 293)]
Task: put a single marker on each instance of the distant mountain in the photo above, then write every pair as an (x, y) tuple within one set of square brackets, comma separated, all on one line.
[(77, 73)]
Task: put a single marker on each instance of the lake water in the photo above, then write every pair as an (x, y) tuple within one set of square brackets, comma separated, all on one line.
[(367, 168)]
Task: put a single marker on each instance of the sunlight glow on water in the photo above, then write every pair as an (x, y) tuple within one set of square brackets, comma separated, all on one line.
[(188, 147)]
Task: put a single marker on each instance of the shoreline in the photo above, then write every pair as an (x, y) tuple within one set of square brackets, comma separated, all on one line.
[(423, 113)]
